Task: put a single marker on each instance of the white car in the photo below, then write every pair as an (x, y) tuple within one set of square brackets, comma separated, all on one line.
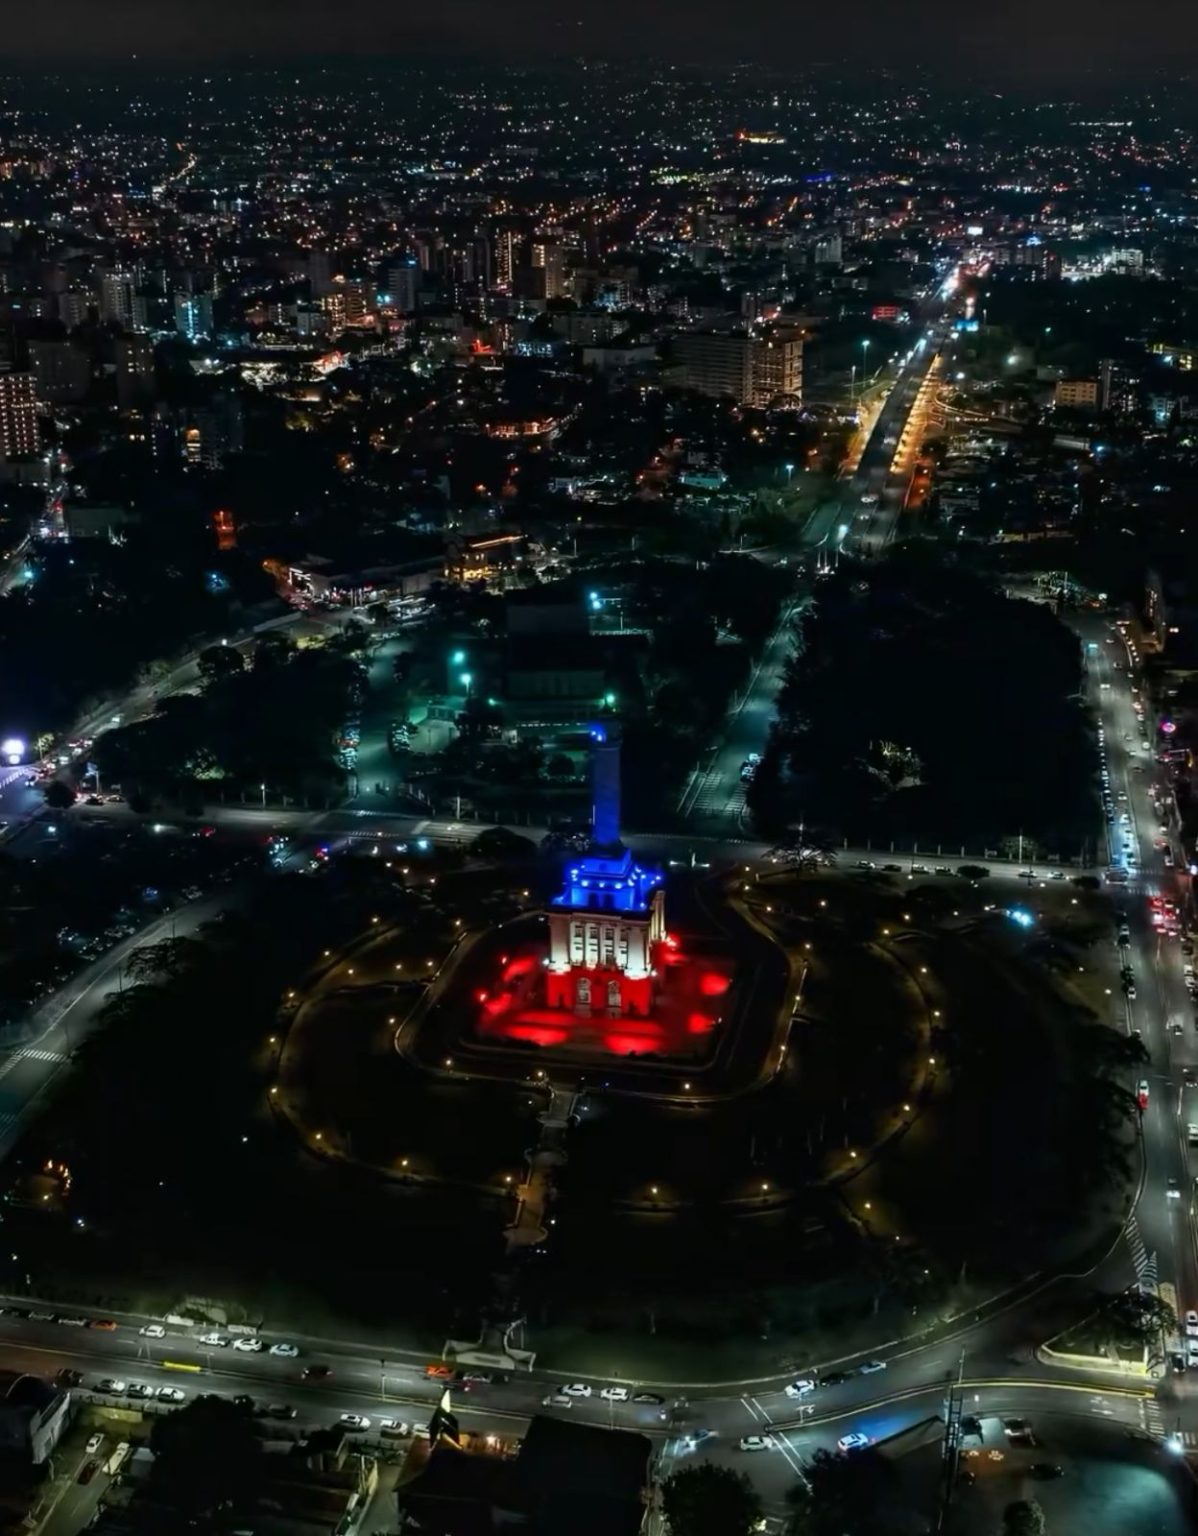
[(799, 1388), (1191, 1324), (287, 1351), (249, 1346), (153, 1331), (355, 1421), (171, 1394), (213, 1340), (93, 1445), (614, 1394), (756, 1443), (576, 1389), (855, 1441), (871, 1366), (396, 1429)]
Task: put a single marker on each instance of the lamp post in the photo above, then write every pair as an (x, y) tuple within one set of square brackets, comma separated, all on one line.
[(790, 469), (864, 351)]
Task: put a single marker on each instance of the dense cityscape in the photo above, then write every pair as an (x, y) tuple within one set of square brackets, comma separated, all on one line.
[(598, 766)]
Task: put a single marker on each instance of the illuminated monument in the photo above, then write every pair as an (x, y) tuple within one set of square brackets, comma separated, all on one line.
[(607, 926)]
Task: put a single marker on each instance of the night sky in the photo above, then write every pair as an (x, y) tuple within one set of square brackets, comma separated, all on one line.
[(1030, 40)]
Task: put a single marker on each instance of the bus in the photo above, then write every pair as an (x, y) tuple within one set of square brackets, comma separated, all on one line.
[(118, 1458)]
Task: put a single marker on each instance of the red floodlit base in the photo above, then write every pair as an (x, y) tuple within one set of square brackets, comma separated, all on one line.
[(673, 1014)]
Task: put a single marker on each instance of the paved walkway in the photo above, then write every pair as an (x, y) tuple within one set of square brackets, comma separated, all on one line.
[(530, 1227)]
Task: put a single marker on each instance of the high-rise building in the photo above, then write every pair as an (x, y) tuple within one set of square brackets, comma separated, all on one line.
[(752, 369), (549, 256), (1117, 388), (73, 308), (401, 284), (62, 372), (193, 316), (134, 371), (18, 417), (507, 258), (116, 299)]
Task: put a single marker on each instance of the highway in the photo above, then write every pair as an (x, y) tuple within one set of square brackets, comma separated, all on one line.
[(1162, 1239)]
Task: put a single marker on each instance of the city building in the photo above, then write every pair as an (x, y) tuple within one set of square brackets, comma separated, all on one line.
[(18, 417), (62, 372), (1076, 394), (575, 1478), (751, 368), (33, 1416), (193, 316), (1118, 388)]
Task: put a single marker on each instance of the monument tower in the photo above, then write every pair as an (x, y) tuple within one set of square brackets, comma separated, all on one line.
[(607, 921)]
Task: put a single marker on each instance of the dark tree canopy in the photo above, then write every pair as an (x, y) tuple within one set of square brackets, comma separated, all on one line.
[(709, 1500), (207, 1463), (922, 703)]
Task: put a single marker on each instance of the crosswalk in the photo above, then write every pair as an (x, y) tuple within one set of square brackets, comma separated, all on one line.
[(778, 1438), (33, 1054), (1145, 1263)]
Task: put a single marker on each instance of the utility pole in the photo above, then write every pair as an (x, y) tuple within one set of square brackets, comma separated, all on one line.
[(953, 1409)]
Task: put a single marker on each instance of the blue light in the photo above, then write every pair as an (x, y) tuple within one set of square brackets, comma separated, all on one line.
[(1021, 916)]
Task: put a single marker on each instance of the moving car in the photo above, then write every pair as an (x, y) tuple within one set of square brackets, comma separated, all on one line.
[(648, 1397), (755, 1443), (287, 1351), (89, 1471), (1142, 1093), (576, 1389), (249, 1346), (153, 1331), (1045, 1470), (356, 1422), (112, 1384), (213, 1340), (871, 1366), (1173, 1190), (614, 1394), (800, 1388), (856, 1441), (1191, 1324), (94, 1444), (280, 1411), (318, 1372), (557, 1400)]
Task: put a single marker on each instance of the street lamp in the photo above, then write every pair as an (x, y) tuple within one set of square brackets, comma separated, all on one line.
[(790, 469), (466, 680), (864, 350)]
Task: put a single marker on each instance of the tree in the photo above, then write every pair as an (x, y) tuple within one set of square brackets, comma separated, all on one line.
[(843, 1495), (208, 1463), (217, 662), (710, 1500), (1023, 1518), (59, 795), (166, 961)]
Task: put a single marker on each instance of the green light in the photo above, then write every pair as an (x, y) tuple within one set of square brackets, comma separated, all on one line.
[(458, 658), (466, 679), (609, 699)]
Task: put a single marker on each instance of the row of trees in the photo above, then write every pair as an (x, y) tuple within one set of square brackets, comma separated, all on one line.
[(271, 723), (857, 1495)]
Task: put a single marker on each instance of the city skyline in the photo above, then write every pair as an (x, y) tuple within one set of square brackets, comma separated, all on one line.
[(1023, 43)]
